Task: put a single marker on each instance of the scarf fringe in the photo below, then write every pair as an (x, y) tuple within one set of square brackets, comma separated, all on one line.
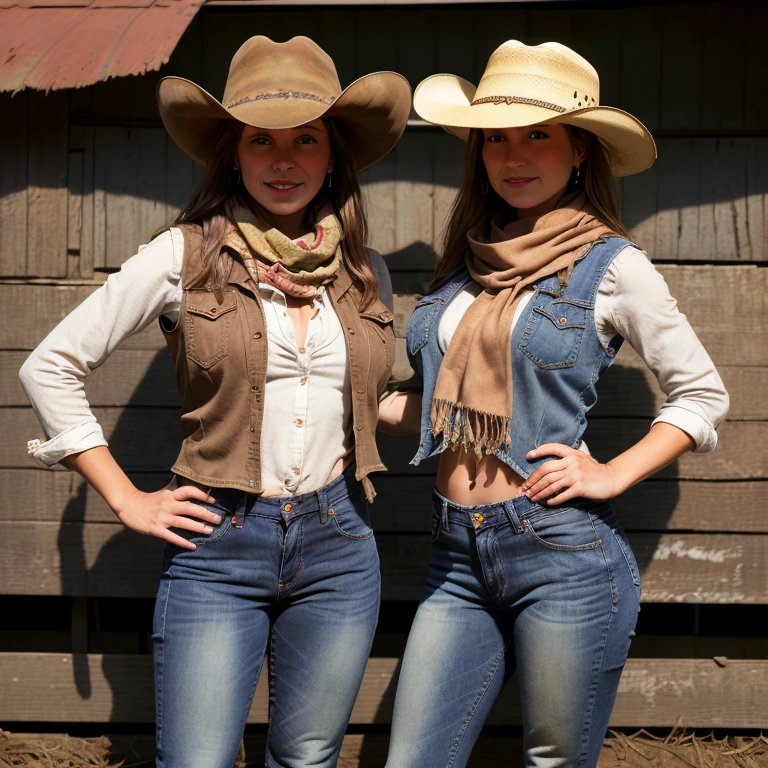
[(462, 427)]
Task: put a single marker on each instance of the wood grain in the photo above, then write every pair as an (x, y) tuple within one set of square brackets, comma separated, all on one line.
[(37, 687), (14, 146)]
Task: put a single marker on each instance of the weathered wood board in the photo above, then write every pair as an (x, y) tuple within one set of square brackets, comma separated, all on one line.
[(102, 560), (119, 688)]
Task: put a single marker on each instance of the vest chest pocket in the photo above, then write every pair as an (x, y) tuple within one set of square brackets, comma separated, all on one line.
[(208, 325), (554, 333), (378, 322)]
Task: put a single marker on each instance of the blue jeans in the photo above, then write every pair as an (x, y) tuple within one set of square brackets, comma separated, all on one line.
[(300, 579), (550, 592)]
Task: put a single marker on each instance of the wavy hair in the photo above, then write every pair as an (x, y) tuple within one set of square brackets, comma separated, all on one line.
[(474, 206), (218, 193)]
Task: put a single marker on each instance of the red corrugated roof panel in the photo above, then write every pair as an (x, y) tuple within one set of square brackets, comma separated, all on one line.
[(71, 47)]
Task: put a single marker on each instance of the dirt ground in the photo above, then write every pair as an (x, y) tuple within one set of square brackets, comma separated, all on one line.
[(679, 749)]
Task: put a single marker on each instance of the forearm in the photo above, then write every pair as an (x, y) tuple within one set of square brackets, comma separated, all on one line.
[(400, 413), (99, 468), (663, 444)]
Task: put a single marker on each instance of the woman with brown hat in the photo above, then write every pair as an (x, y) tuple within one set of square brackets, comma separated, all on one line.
[(537, 288), (270, 305)]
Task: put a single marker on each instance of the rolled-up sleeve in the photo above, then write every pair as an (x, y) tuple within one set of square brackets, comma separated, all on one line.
[(147, 286), (637, 303)]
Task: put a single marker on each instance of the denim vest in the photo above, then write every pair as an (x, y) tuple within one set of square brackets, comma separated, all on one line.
[(557, 358)]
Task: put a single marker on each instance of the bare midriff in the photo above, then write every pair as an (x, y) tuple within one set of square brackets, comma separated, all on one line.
[(463, 480)]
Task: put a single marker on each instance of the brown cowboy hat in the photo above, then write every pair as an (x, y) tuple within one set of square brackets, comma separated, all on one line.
[(526, 85), (283, 85)]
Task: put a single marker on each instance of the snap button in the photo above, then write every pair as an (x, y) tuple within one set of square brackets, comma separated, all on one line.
[(253, 429), (359, 429), (360, 391), (303, 380), (214, 310), (254, 388), (351, 332), (563, 320), (257, 335), (331, 513)]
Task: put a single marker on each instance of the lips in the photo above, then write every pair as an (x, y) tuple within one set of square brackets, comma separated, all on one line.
[(282, 188), (519, 181)]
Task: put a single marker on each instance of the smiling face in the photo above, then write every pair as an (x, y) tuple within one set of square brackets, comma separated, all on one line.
[(530, 167), (284, 169)]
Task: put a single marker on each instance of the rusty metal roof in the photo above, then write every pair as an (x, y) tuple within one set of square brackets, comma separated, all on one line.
[(51, 44)]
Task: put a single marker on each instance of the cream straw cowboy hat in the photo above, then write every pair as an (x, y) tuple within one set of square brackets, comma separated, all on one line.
[(283, 85), (525, 85)]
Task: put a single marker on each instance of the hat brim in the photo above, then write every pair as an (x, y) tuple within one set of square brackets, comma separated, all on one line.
[(374, 109), (446, 100)]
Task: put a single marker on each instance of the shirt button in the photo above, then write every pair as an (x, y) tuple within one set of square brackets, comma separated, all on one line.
[(253, 429), (296, 470), (213, 310), (359, 429), (257, 335), (302, 350), (299, 422), (303, 380), (254, 388)]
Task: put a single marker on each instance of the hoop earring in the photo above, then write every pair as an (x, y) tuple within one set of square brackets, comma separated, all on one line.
[(484, 185), (330, 180)]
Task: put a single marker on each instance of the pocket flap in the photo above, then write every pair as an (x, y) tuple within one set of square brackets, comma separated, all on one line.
[(379, 312), (203, 302), (564, 315)]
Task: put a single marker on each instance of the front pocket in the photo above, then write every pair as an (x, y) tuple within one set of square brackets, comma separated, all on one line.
[(566, 530), (554, 333), (208, 325), (351, 518)]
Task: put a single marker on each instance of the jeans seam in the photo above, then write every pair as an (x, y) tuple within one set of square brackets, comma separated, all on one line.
[(476, 703), (271, 676), (162, 660)]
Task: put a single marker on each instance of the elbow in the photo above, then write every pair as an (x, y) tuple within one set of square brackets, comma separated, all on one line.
[(28, 373)]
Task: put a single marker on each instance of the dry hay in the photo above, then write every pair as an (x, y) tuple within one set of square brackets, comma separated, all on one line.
[(681, 749), (48, 751)]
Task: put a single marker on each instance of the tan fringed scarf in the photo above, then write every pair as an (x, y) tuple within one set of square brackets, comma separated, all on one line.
[(472, 404), (296, 267)]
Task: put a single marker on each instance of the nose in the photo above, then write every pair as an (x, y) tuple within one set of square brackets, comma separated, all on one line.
[(283, 160), (515, 157)]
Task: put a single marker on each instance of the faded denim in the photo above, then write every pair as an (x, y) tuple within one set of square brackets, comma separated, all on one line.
[(299, 580), (550, 592)]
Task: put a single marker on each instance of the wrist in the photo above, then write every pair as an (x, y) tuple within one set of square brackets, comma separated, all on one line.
[(620, 481)]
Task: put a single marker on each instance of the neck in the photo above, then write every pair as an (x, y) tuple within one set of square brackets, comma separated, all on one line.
[(291, 225), (544, 207)]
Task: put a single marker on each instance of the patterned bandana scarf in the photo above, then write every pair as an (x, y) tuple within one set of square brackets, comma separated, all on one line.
[(297, 267), (472, 404)]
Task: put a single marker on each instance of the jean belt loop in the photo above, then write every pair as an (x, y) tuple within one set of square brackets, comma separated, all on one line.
[(514, 520), (239, 516), (445, 523), (322, 506)]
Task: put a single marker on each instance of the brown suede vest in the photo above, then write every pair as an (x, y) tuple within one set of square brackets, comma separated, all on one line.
[(219, 352)]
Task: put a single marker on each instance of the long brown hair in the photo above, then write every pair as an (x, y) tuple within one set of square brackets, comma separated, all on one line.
[(220, 191), (477, 202)]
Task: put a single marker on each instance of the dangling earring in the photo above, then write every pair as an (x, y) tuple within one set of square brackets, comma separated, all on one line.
[(330, 180), (484, 185), (578, 175)]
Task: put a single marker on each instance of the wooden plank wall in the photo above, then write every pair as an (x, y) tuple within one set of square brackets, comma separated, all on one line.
[(88, 175)]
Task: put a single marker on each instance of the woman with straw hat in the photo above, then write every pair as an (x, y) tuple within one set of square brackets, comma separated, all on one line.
[(270, 305), (537, 288)]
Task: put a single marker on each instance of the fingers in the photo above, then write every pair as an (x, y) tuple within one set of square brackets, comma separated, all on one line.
[(193, 492), (190, 525), (195, 510), (550, 449), (548, 485), (538, 474), (568, 494)]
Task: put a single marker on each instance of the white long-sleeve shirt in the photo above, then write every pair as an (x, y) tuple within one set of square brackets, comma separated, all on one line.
[(307, 426), (633, 300)]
